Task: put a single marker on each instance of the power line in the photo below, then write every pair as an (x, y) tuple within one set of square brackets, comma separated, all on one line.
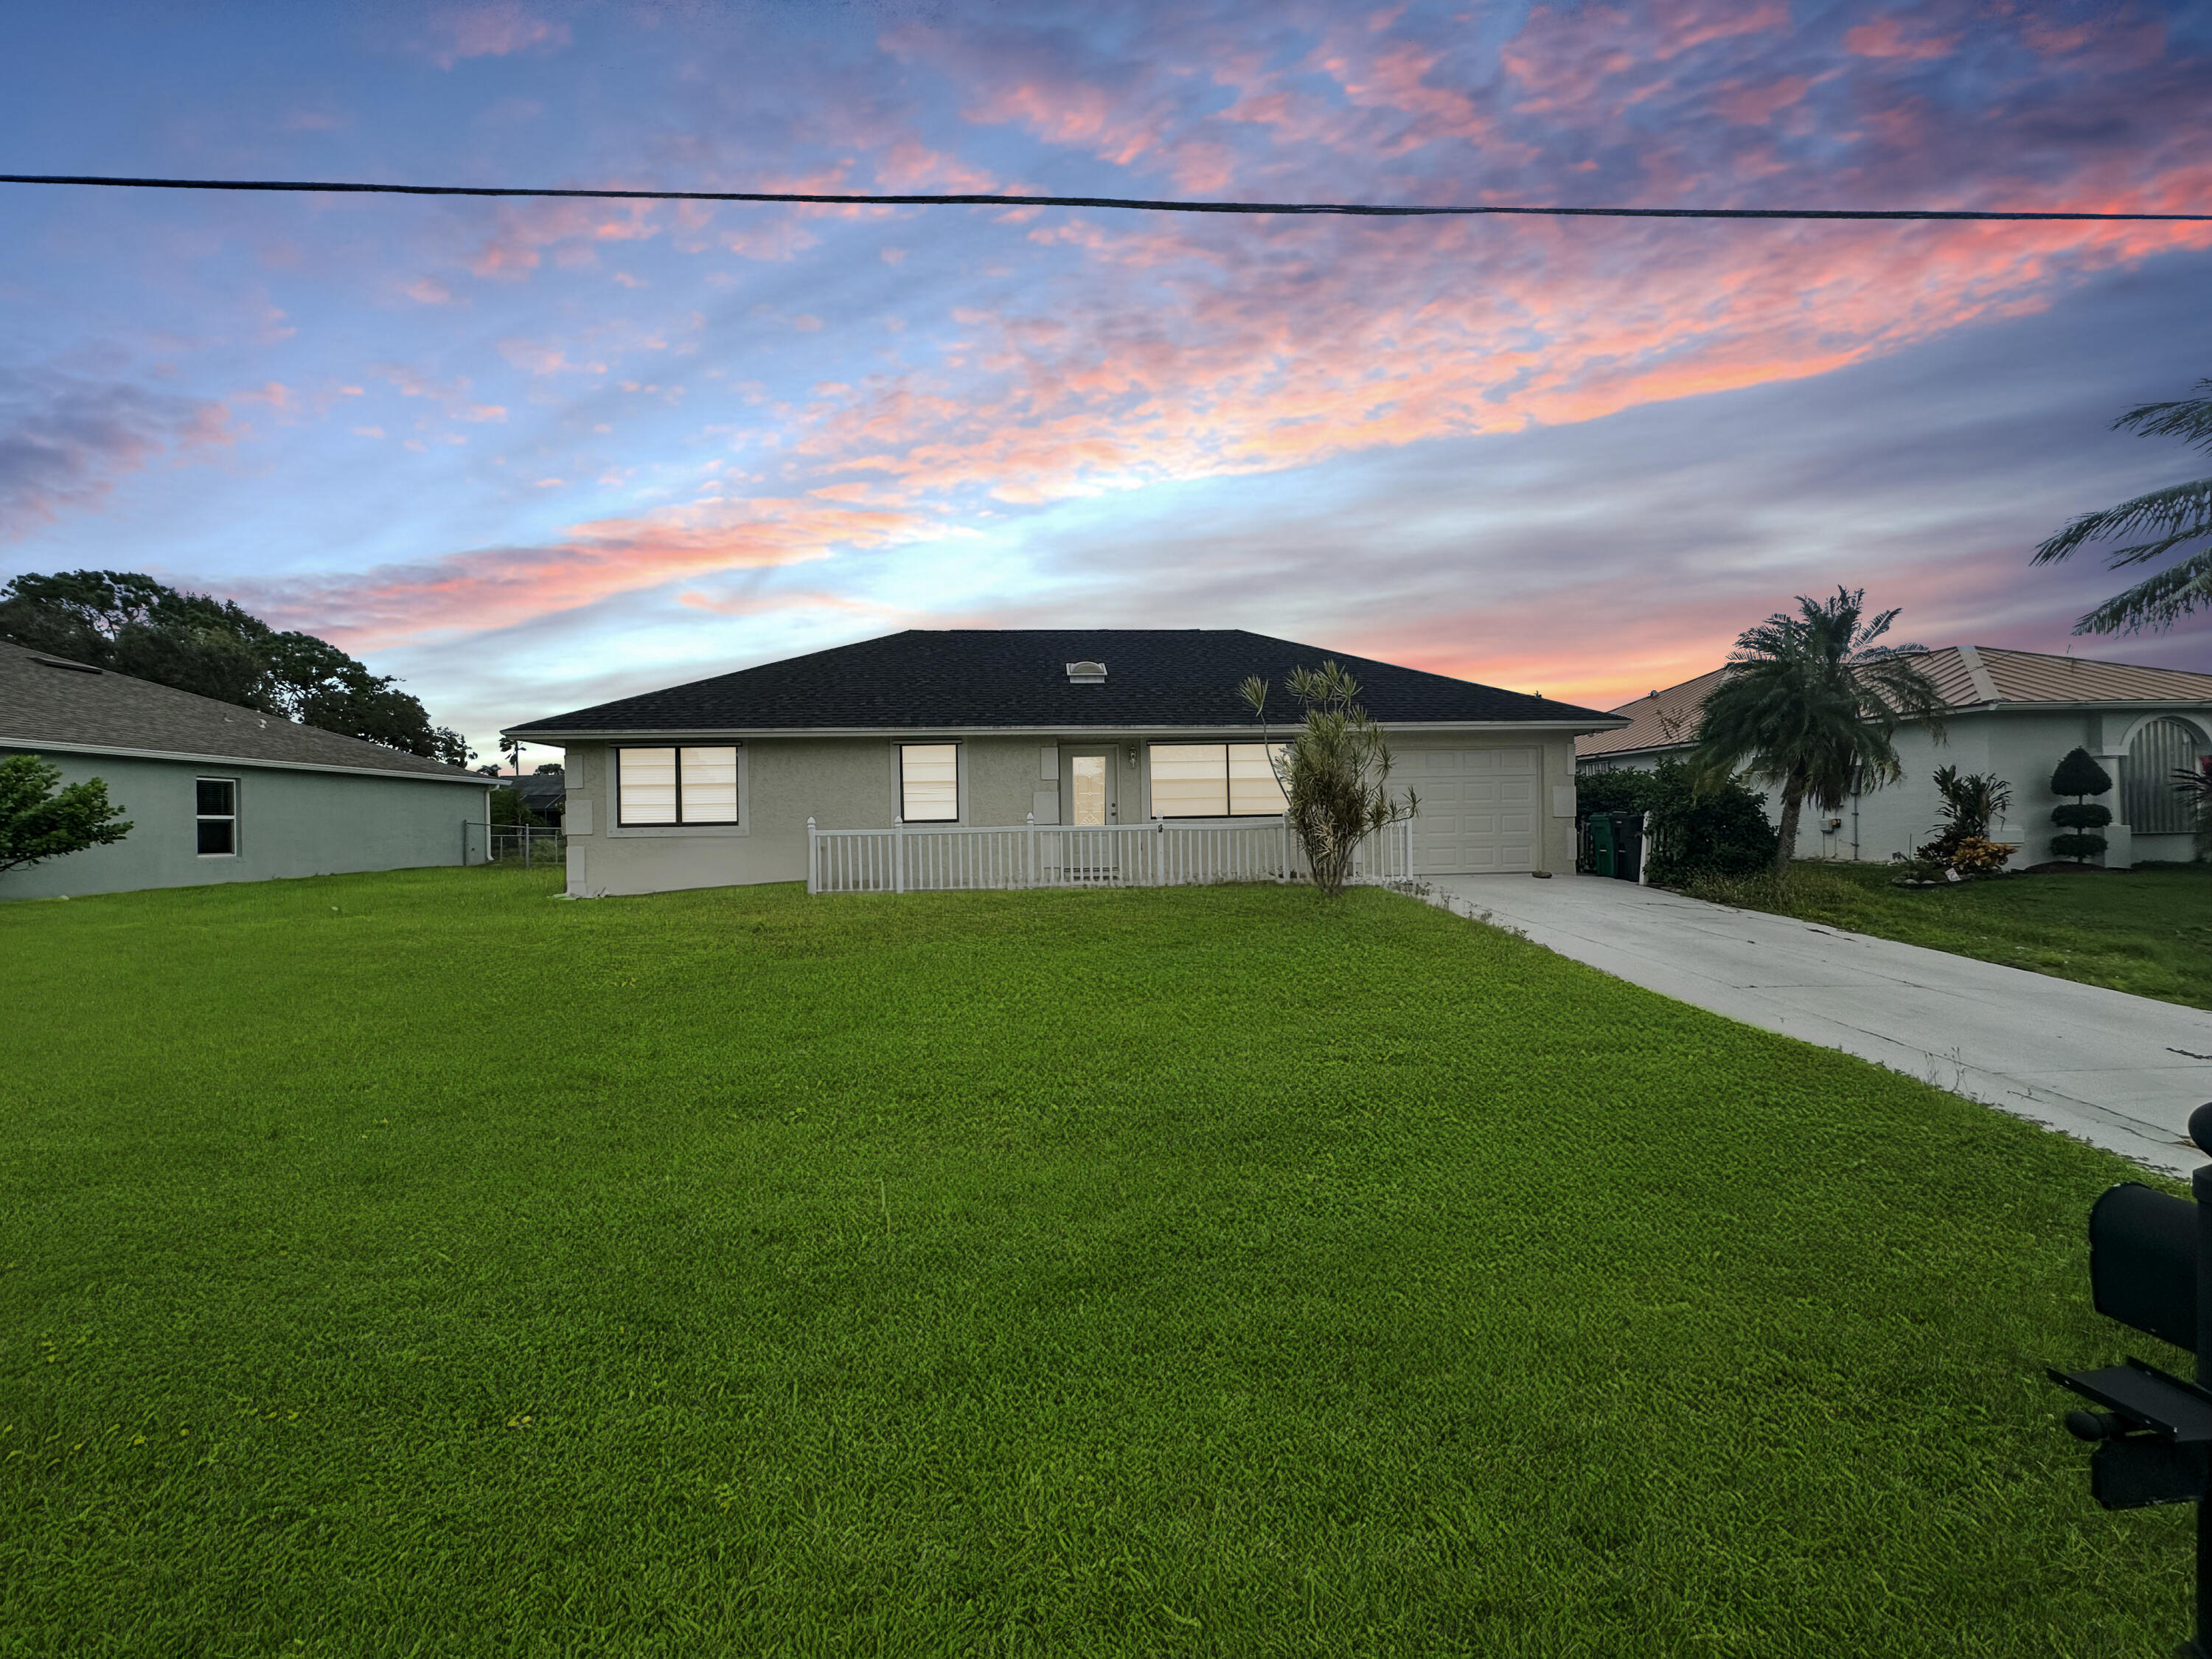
[(1355, 209)]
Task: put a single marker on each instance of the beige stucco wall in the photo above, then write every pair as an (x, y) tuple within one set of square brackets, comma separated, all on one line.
[(2022, 746), (851, 783)]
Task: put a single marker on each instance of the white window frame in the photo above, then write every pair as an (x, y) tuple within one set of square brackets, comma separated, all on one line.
[(229, 817), (959, 778), (679, 824), (1228, 793)]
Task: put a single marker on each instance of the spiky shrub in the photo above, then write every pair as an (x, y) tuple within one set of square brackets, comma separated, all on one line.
[(2195, 788), (1811, 705), (2079, 776), (1969, 803), (1334, 770)]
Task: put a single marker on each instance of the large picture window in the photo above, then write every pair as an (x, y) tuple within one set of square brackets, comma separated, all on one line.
[(217, 818), (1215, 781), (929, 782), (676, 786)]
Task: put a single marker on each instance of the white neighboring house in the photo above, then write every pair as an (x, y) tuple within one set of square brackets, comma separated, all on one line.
[(2015, 714)]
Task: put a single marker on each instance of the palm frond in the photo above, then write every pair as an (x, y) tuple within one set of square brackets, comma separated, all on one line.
[(2190, 418), (2181, 511), (2159, 601)]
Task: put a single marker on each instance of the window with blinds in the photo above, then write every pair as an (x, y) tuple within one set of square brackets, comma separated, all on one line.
[(2149, 801), (929, 782), (1215, 781), (676, 786)]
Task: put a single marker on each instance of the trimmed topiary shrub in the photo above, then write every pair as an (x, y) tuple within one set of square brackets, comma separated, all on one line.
[(2073, 815), (2078, 846), (2079, 776)]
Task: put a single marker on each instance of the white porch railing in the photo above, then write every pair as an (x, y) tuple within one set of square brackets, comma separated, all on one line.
[(940, 858)]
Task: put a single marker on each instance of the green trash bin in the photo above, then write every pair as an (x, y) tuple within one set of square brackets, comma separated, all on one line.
[(1602, 850)]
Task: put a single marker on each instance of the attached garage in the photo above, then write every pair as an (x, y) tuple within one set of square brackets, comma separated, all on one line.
[(1478, 811)]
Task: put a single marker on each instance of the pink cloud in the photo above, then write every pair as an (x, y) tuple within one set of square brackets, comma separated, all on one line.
[(495, 28), (1754, 107), (66, 441), (1885, 37), (496, 588)]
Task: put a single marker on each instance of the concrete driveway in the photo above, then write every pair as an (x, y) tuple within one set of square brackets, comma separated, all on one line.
[(2121, 1072)]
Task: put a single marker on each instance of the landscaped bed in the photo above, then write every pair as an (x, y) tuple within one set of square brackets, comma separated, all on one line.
[(2147, 931), (412, 1264)]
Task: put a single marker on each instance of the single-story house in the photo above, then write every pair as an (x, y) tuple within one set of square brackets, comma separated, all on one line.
[(2015, 714), (216, 792), (718, 782), (543, 794)]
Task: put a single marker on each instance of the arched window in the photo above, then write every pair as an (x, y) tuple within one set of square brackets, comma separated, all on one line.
[(2147, 792)]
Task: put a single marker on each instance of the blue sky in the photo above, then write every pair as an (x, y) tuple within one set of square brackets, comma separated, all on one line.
[(529, 455)]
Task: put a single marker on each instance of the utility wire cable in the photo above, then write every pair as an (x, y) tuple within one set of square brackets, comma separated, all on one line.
[(809, 199)]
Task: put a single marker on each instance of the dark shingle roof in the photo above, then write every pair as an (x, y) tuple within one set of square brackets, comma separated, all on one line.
[(46, 701), (927, 679)]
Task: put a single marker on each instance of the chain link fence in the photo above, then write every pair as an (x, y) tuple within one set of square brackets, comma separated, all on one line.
[(521, 846)]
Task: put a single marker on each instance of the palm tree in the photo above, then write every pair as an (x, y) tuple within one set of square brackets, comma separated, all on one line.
[(2181, 513), (1811, 705)]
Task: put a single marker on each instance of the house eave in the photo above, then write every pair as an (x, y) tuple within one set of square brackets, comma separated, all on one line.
[(43, 746), (1119, 731)]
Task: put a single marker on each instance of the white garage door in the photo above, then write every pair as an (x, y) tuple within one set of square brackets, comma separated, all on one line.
[(1478, 810)]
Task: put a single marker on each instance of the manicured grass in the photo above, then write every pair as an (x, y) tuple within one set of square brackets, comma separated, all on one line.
[(414, 1265), (2147, 931)]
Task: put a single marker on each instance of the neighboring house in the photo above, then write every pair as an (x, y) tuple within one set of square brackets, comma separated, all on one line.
[(217, 793), (714, 783), (2015, 714), (542, 793)]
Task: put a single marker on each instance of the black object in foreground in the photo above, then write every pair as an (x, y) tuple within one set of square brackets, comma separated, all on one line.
[(2150, 1267), (1367, 209)]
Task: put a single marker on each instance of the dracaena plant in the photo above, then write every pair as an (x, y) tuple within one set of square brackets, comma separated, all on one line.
[(1334, 769)]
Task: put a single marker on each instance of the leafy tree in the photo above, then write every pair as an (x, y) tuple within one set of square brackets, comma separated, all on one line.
[(509, 812), (1723, 831), (1812, 705), (554, 768), (2172, 517), (1334, 770), (40, 820), (134, 625), (1969, 805), (2079, 776)]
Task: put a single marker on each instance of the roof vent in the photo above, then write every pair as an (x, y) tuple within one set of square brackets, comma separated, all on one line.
[(74, 667), (1086, 673)]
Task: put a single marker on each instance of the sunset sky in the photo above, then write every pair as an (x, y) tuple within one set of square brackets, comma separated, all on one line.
[(532, 456)]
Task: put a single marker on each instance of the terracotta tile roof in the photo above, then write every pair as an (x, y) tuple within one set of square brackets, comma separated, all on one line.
[(1968, 677), (47, 702), (2036, 677), (1662, 720)]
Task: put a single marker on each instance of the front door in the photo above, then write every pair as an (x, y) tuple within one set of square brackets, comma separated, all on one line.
[(1086, 787)]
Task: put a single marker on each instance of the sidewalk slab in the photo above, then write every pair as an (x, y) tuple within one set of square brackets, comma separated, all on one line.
[(2120, 1071)]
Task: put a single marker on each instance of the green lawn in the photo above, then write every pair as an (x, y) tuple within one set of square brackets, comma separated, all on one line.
[(2148, 931), (412, 1264)]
